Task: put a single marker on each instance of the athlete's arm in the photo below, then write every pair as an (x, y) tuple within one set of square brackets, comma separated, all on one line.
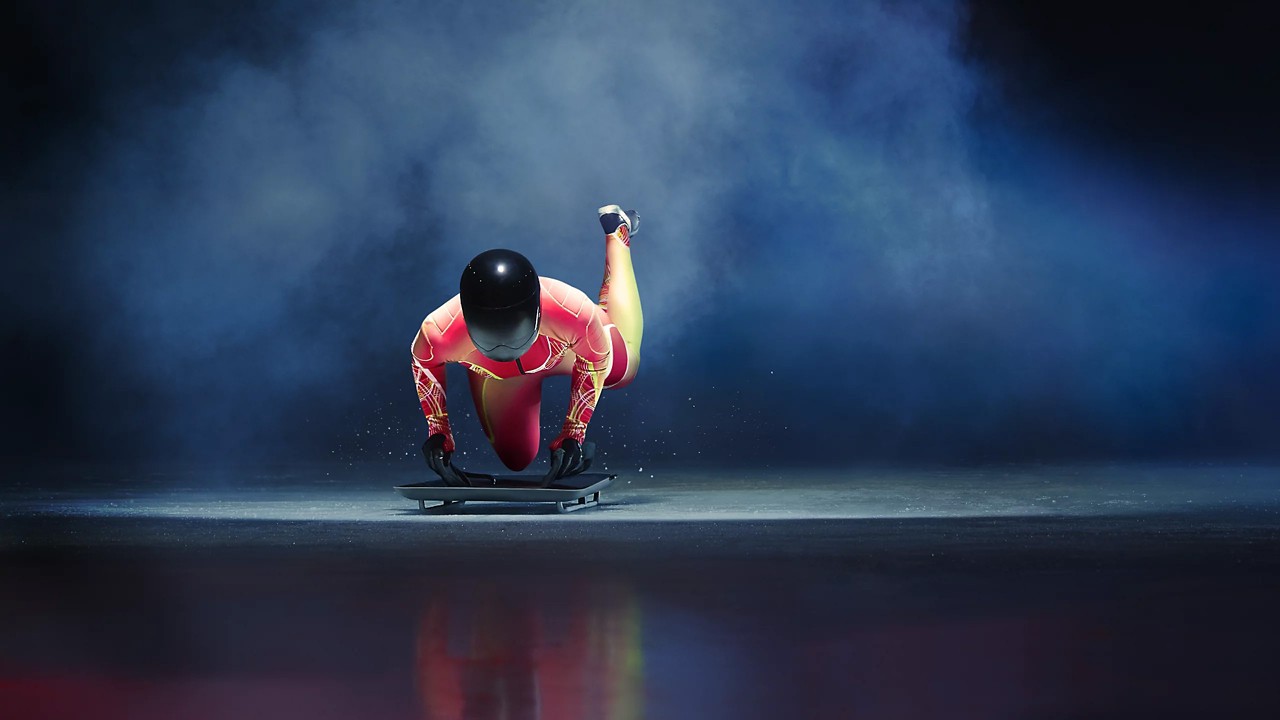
[(590, 366), (432, 347), (430, 382)]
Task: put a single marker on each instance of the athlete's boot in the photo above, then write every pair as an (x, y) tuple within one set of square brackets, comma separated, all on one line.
[(612, 217)]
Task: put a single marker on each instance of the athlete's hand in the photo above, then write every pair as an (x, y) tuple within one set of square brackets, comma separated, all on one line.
[(570, 459), (438, 460)]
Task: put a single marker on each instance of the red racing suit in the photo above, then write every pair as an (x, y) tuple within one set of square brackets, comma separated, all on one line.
[(574, 337)]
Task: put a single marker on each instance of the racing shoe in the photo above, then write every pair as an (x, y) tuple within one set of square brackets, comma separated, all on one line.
[(612, 217)]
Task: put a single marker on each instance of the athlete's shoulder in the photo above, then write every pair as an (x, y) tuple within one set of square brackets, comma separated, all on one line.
[(570, 316), (560, 296), (446, 319), (444, 333)]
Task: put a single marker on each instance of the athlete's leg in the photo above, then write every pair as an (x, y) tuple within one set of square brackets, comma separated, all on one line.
[(509, 413), (619, 297)]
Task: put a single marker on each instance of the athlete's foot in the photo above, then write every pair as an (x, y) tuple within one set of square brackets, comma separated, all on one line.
[(612, 217)]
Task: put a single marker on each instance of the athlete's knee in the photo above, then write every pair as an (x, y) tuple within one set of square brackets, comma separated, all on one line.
[(622, 377)]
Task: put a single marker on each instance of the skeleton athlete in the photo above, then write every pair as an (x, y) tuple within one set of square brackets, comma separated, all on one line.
[(511, 329)]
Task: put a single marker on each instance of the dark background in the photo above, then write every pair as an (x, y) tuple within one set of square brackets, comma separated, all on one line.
[(889, 233)]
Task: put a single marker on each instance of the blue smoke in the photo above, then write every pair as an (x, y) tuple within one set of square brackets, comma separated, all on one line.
[(837, 255)]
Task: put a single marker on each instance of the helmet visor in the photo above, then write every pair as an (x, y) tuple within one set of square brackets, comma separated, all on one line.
[(504, 334)]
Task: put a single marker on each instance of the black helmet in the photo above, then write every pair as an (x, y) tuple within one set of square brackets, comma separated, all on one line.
[(501, 303)]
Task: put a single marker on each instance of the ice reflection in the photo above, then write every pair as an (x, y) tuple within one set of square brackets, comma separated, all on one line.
[(484, 651)]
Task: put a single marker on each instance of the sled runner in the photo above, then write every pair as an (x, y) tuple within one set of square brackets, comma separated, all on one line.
[(570, 493)]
